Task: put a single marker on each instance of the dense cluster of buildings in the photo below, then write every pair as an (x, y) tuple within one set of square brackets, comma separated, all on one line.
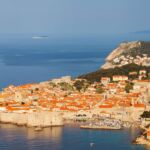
[(122, 60), (113, 102)]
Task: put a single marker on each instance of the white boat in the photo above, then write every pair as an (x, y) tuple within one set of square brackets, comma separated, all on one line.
[(38, 128)]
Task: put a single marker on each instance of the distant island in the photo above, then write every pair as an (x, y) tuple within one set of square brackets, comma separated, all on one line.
[(142, 32), (39, 37)]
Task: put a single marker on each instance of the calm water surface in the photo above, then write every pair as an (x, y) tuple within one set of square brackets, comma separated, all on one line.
[(37, 60), (69, 137)]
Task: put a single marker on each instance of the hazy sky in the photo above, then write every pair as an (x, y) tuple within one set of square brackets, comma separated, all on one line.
[(73, 17)]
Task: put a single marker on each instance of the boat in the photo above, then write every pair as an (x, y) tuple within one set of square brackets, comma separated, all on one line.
[(91, 144), (126, 125), (38, 129)]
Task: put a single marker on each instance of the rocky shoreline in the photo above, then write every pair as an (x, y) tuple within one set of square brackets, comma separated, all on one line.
[(141, 140)]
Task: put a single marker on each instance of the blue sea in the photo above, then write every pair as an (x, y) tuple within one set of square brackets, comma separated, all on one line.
[(69, 137), (29, 60), (24, 60)]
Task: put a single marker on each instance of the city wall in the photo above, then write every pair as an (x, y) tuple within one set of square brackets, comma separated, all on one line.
[(43, 119)]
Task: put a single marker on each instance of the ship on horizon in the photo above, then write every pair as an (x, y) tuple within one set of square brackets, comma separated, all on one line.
[(39, 37)]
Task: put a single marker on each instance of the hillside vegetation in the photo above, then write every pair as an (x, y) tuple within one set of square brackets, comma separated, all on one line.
[(124, 70), (144, 48)]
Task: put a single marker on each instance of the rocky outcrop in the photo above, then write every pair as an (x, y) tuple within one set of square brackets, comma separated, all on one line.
[(142, 141), (129, 52), (123, 47)]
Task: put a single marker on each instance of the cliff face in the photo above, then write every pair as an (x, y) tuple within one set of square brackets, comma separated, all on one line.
[(136, 52), (123, 47)]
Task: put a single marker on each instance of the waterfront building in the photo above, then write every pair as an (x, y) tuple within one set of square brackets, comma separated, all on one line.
[(105, 80), (148, 135), (120, 78)]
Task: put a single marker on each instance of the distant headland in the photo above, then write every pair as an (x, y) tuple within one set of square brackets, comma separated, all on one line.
[(127, 57)]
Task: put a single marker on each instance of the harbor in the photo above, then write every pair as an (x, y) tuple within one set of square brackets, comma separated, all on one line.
[(106, 124)]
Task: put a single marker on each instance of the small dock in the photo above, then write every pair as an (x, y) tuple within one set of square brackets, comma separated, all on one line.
[(107, 124), (100, 127)]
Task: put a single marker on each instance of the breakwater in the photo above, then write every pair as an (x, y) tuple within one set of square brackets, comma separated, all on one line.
[(33, 119)]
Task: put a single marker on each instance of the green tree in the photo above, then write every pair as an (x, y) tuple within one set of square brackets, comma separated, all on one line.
[(128, 87), (66, 86), (81, 85), (99, 89), (52, 84), (146, 114)]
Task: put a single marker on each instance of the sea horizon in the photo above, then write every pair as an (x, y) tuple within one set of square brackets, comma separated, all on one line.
[(26, 60), (34, 60)]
